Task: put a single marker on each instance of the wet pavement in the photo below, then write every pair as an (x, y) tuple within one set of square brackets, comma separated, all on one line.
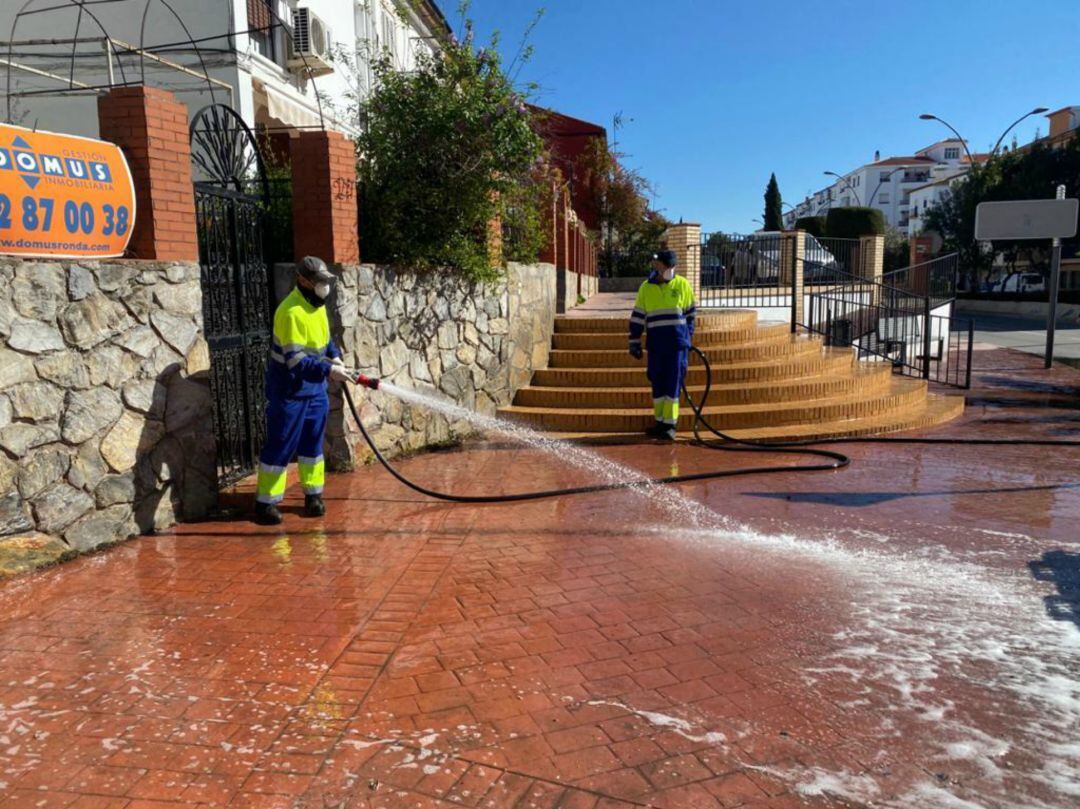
[(905, 632)]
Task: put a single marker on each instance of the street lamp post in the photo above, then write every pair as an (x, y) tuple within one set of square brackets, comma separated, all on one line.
[(846, 182), (1035, 111), (790, 208), (880, 181), (928, 117)]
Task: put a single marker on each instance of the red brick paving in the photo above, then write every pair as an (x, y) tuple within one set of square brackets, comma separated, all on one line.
[(563, 653)]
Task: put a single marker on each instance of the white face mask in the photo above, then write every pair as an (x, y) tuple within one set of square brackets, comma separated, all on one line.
[(668, 274), (322, 291)]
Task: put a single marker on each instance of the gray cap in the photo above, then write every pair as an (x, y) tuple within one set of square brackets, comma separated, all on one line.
[(315, 270)]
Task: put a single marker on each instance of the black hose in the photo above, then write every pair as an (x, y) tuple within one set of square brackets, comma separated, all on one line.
[(836, 460)]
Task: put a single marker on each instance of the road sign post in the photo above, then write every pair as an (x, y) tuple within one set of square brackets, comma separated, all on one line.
[(1053, 219), (1055, 283)]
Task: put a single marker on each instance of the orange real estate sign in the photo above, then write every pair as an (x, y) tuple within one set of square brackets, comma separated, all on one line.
[(63, 196)]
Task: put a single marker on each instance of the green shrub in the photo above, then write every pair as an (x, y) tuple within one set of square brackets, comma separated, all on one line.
[(447, 148), (814, 225), (851, 223)]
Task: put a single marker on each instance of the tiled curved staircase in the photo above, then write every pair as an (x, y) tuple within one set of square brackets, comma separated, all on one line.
[(767, 383)]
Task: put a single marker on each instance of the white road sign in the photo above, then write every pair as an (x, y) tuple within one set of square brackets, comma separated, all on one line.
[(1027, 219)]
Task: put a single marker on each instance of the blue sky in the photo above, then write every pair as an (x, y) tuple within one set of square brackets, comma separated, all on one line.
[(722, 93)]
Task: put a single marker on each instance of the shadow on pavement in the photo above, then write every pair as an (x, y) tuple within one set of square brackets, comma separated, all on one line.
[(1062, 569)]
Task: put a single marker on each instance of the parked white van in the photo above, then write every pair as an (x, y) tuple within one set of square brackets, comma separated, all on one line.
[(1021, 282)]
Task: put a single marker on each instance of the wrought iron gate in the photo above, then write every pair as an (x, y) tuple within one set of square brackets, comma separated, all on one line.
[(235, 282)]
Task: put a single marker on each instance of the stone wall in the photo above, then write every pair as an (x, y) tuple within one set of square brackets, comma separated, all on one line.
[(567, 286), (475, 344), (104, 400)]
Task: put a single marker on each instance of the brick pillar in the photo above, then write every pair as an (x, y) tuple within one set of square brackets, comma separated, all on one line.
[(151, 126), (872, 257), (920, 249), (563, 228), (685, 240), (324, 197), (792, 264)]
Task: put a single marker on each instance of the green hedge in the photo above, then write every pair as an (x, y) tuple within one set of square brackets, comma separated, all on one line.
[(814, 225), (851, 223)]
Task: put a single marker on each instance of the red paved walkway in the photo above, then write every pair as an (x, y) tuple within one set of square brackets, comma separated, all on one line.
[(874, 636)]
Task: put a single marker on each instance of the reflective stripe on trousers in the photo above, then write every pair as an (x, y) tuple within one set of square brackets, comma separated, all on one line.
[(666, 370), (295, 428)]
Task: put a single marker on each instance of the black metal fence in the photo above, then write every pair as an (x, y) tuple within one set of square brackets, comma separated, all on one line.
[(935, 279), (827, 260), (746, 271), (758, 271), (919, 336)]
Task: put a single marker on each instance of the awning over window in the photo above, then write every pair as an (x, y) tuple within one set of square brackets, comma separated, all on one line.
[(288, 111)]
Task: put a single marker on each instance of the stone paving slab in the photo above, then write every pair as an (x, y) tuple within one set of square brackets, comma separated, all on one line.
[(890, 634)]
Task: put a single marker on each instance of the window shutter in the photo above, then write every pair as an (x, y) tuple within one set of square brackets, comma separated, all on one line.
[(258, 12)]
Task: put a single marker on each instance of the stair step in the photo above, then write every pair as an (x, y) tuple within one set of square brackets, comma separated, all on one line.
[(831, 360), (619, 358), (901, 396), (713, 319), (594, 341), (936, 410), (874, 378)]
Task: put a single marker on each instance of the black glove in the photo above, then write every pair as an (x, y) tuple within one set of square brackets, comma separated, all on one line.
[(635, 351)]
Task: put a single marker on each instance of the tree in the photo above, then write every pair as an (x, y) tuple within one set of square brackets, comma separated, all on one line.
[(897, 250), (1034, 174), (774, 218), (446, 149), (630, 229)]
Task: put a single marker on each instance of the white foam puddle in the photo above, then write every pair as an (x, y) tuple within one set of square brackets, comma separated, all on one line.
[(672, 723), (965, 654)]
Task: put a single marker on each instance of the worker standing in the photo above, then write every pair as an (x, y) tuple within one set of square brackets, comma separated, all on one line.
[(664, 310), (302, 358)]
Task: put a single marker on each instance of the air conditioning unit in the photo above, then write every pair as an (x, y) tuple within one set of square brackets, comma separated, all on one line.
[(311, 41)]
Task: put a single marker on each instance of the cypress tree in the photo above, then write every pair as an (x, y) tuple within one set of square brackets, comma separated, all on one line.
[(773, 218)]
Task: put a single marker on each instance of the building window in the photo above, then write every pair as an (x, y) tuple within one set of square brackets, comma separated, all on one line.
[(261, 27), (389, 32), (883, 199), (952, 152), (884, 176)]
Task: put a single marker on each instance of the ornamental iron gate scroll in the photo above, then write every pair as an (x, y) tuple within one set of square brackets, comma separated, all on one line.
[(227, 167)]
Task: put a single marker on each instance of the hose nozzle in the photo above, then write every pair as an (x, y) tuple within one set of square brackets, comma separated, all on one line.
[(367, 381)]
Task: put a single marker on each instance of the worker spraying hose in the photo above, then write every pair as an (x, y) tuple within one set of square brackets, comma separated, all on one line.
[(302, 358)]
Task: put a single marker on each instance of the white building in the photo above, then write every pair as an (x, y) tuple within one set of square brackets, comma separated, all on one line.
[(886, 184), (925, 197), (242, 45)]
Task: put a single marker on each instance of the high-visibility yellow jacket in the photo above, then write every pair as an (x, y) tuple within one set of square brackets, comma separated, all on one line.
[(666, 311), (301, 350)]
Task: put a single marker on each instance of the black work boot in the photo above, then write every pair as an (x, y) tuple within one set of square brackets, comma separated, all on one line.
[(657, 430), (267, 514), (668, 433), (314, 505)]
